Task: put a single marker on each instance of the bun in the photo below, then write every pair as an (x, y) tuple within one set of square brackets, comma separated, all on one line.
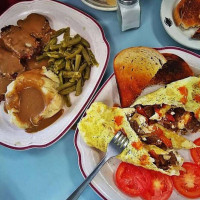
[(187, 14), (134, 68)]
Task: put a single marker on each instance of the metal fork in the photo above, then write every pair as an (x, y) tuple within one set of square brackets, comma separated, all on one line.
[(115, 147)]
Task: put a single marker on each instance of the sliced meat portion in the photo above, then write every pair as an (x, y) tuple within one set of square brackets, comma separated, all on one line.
[(164, 161), (155, 140), (20, 42), (33, 64), (4, 82), (9, 63), (35, 24)]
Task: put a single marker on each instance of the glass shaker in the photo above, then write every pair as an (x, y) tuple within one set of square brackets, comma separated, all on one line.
[(128, 13)]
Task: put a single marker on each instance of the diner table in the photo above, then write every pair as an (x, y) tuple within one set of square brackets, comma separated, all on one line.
[(52, 173)]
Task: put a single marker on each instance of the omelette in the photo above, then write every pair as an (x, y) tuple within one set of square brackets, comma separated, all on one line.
[(175, 107), (154, 125), (101, 123)]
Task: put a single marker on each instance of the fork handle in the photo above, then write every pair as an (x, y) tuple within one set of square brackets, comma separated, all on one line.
[(85, 183)]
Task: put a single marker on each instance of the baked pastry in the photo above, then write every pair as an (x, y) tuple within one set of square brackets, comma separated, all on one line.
[(186, 14)]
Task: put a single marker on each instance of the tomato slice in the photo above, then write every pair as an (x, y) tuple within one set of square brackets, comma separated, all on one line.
[(132, 180), (161, 187), (195, 153), (188, 183)]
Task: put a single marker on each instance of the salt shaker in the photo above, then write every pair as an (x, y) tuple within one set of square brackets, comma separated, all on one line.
[(128, 14)]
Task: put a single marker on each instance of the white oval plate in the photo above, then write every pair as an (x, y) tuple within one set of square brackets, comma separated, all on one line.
[(59, 16), (99, 5), (88, 158), (178, 34)]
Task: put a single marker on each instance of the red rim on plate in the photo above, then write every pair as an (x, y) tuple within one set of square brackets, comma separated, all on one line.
[(94, 98), (92, 93)]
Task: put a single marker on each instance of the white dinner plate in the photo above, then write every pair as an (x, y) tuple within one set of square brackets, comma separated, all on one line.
[(178, 34), (88, 158), (59, 16), (101, 4)]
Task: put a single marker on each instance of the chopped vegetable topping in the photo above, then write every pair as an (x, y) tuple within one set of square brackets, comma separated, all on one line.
[(197, 98), (184, 91), (144, 160), (137, 145), (157, 131), (118, 120)]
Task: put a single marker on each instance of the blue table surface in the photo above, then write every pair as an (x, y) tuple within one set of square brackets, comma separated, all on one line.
[(53, 173)]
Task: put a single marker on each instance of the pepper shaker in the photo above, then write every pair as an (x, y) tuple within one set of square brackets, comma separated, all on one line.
[(128, 13)]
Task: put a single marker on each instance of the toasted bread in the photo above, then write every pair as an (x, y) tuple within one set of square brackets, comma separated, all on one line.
[(134, 68), (173, 70), (187, 14)]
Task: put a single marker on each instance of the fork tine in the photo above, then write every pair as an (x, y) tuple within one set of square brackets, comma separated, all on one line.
[(125, 143), (116, 137), (118, 141), (123, 140)]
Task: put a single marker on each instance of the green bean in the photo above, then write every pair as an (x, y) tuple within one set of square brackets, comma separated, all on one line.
[(82, 82), (72, 80), (65, 85), (71, 42), (71, 74), (54, 54), (51, 61), (62, 50), (58, 32), (68, 90), (68, 65), (54, 47), (78, 88), (86, 56), (85, 42), (67, 100), (72, 55), (59, 64), (87, 73), (60, 77), (77, 62), (66, 35), (82, 67), (51, 42), (41, 57), (92, 58)]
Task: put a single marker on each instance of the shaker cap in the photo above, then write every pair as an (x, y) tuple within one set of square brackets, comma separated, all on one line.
[(128, 2)]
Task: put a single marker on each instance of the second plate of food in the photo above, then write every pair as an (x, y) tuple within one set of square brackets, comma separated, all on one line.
[(179, 34), (59, 16), (104, 183)]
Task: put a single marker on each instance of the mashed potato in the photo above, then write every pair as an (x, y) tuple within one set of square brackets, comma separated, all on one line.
[(33, 97)]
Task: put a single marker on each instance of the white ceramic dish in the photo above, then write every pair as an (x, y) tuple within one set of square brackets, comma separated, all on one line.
[(178, 34), (59, 16), (88, 158), (100, 5)]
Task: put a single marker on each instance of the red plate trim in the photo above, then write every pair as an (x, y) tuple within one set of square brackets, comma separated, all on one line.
[(77, 131), (92, 93)]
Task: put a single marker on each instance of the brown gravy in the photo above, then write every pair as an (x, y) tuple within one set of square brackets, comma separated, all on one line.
[(4, 82), (45, 123), (31, 104), (33, 64), (35, 24), (9, 64)]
